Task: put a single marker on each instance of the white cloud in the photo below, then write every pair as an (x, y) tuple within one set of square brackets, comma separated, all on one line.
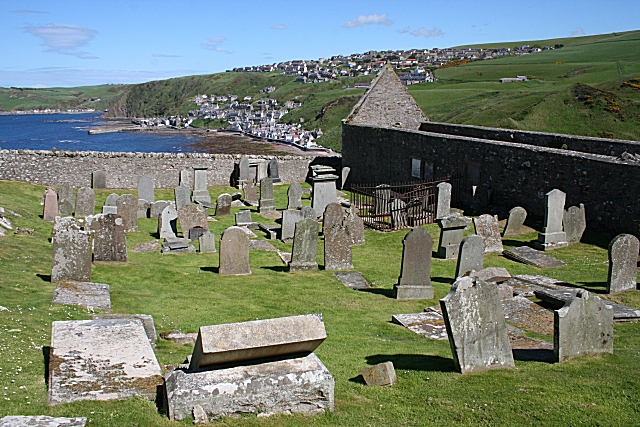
[(29, 12), (213, 44), (404, 30), (423, 32), (279, 27), (64, 39), (369, 19), (162, 55), (577, 32)]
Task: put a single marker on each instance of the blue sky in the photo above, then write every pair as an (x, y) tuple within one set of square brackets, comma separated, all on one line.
[(87, 42)]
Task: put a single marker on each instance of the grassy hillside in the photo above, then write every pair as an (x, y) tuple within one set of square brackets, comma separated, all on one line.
[(98, 97)]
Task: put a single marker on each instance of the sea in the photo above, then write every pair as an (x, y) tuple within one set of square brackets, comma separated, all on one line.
[(70, 132)]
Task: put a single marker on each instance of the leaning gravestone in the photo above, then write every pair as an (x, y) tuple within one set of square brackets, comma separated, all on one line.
[(574, 222), (415, 275), (66, 199), (110, 240), (200, 188), (99, 180), (354, 225), (583, 326), (443, 200), (234, 252), (267, 203), (487, 227), (294, 194), (111, 200), (289, 220), (223, 204), (192, 216), (305, 246), (50, 205), (71, 252), (167, 227), (471, 256), (183, 196), (476, 326), (337, 248), (145, 189), (452, 229), (207, 242), (623, 263), (85, 202), (41, 421), (515, 222), (127, 205), (274, 173), (552, 236)]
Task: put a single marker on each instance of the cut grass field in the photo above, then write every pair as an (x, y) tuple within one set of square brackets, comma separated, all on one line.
[(184, 292)]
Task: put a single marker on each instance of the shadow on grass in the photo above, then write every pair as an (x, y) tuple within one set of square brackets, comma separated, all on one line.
[(414, 362), (46, 353), (534, 355), (358, 380), (45, 277), (445, 280), (389, 293), (595, 287), (278, 268), (517, 243), (210, 269), (597, 239)]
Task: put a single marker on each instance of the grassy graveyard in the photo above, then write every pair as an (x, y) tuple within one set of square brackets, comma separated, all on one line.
[(184, 292)]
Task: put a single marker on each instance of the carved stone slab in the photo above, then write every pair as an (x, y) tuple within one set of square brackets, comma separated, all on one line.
[(527, 255)]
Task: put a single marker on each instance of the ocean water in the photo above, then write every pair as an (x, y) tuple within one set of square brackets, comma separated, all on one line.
[(70, 132)]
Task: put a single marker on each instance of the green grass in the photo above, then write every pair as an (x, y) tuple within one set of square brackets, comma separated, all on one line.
[(62, 98), (182, 292)]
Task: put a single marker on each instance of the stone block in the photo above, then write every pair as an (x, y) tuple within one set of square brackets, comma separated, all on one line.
[(41, 421), (382, 374), (146, 319), (84, 294)]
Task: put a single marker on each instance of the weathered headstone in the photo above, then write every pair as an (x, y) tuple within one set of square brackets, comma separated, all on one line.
[(355, 226), (574, 222), (95, 296), (333, 215), (251, 193), (552, 236), (309, 212), (583, 326), (476, 326), (85, 202), (267, 203), (289, 220), (452, 229), (200, 189), (398, 210), (305, 246), (623, 262), (182, 195), (145, 189), (515, 222), (274, 173), (223, 204), (157, 208), (234, 252), (144, 208), (50, 205), (99, 180), (41, 421), (66, 199), (110, 241), (415, 275), (195, 233), (294, 194), (192, 216), (471, 256), (112, 199), (324, 192), (207, 242), (244, 219), (185, 179), (243, 169), (344, 175), (382, 374), (486, 226), (443, 200), (71, 252), (337, 248), (381, 200), (167, 227), (127, 205)]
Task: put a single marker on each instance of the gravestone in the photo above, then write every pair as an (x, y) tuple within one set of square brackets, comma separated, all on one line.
[(195, 233), (144, 207), (527, 255), (243, 169), (344, 175), (476, 326), (333, 215), (145, 189), (234, 252), (207, 242), (223, 204), (415, 274), (583, 326), (85, 202), (200, 188), (623, 263), (443, 200), (398, 210), (146, 319), (95, 296), (274, 173), (305, 246), (515, 222), (109, 209), (353, 280), (41, 421), (309, 212), (99, 180), (324, 192), (244, 219), (182, 195), (337, 248), (127, 205), (294, 193), (382, 374), (552, 236), (71, 252), (50, 205), (66, 199), (157, 208), (574, 222), (110, 241), (185, 179), (382, 198), (354, 226), (471, 256), (267, 203), (111, 200), (289, 220), (486, 226), (192, 216), (167, 227), (250, 193), (452, 229)]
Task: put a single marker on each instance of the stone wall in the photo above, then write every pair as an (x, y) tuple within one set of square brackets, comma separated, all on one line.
[(124, 169), (500, 175)]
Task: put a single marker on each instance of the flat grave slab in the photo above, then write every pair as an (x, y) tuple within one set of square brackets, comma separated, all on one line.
[(530, 256), (272, 231), (528, 315), (146, 247), (262, 245), (84, 294), (41, 421), (429, 324), (558, 298), (248, 232), (526, 284), (353, 280), (146, 319), (105, 359), (271, 215), (285, 256)]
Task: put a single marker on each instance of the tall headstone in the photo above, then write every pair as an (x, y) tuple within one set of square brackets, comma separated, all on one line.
[(234, 252), (99, 180), (381, 200), (274, 173), (415, 275), (305, 246), (267, 203), (146, 189), (192, 216), (324, 192), (185, 179), (111, 199), (583, 326), (452, 229), (110, 241), (333, 215), (476, 327), (200, 189), (223, 204), (574, 222), (71, 252), (127, 205), (243, 169), (487, 227), (207, 242), (167, 223), (294, 193), (250, 193), (289, 220), (552, 236), (66, 199), (443, 200), (354, 225), (623, 262), (515, 222), (471, 256), (337, 248), (182, 194), (85, 202), (50, 205)]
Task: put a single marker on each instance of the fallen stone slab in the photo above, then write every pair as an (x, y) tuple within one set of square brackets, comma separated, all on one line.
[(23, 231), (146, 319), (353, 280), (429, 324), (300, 385), (84, 294), (559, 298), (146, 247), (382, 374), (259, 339), (528, 315), (41, 421), (530, 256), (105, 359), (492, 274), (262, 245), (272, 231), (526, 284)]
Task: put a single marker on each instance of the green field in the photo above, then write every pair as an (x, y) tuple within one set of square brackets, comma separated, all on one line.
[(97, 97), (184, 292)]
